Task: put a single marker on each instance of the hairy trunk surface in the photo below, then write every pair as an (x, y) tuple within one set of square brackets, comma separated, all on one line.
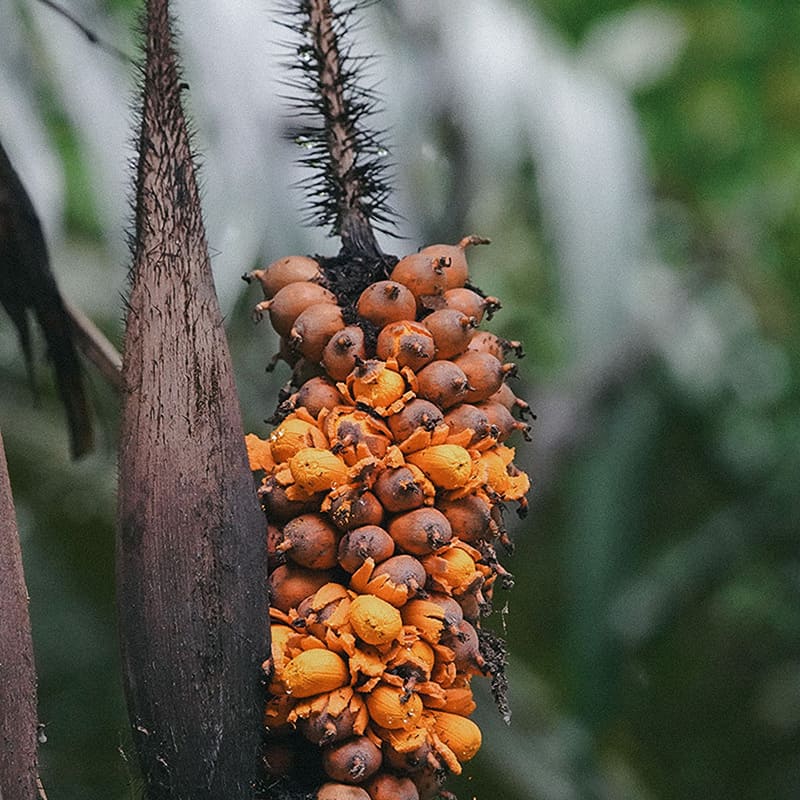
[(18, 720), (191, 537)]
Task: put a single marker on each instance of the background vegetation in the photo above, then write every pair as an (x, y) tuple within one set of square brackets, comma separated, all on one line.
[(638, 168)]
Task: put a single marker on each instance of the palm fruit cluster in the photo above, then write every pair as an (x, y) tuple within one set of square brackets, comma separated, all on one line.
[(383, 484)]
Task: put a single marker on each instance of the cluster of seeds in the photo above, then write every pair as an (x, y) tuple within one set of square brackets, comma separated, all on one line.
[(384, 483)]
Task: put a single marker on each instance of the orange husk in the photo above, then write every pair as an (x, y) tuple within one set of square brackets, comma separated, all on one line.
[(313, 672), (390, 707), (259, 453), (448, 466), (316, 470), (374, 620)]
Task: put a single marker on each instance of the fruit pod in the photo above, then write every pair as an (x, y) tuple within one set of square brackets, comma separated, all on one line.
[(352, 761), (280, 273), (340, 791), (383, 484)]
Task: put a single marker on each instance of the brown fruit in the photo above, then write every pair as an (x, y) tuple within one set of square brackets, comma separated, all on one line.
[(421, 531), (506, 397), (395, 580), (278, 507), (353, 761), (343, 351), (504, 421), (466, 417), (451, 610), (386, 301), (484, 373), (310, 541), (470, 517), (463, 641), (289, 585), (407, 762), (409, 343), (470, 303), (356, 509), (391, 787), (284, 271), (458, 274), (417, 414), (316, 394), (429, 781), (443, 383), (340, 791), (399, 490), (423, 274), (369, 541), (313, 329), (487, 342), (451, 330), (290, 301)]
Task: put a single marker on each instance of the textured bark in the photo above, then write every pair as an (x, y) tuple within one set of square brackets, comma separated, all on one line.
[(191, 553), (18, 720)]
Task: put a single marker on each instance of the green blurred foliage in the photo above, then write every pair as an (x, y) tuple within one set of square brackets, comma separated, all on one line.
[(655, 625)]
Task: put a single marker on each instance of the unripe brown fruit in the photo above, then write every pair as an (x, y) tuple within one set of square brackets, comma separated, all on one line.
[(409, 343), (284, 271), (506, 397), (340, 791), (313, 329), (391, 787), (487, 342), (386, 301), (466, 417), (429, 781), (421, 273), (470, 303), (458, 274), (417, 414), (369, 541), (354, 510), (399, 490), (451, 610), (451, 330), (343, 350), (484, 373), (470, 516), (336, 720), (289, 585), (503, 421), (316, 394), (421, 531), (278, 507), (288, 303), (395, 580), (310, 541), (463, 641), (443, 383), (353, 761)]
